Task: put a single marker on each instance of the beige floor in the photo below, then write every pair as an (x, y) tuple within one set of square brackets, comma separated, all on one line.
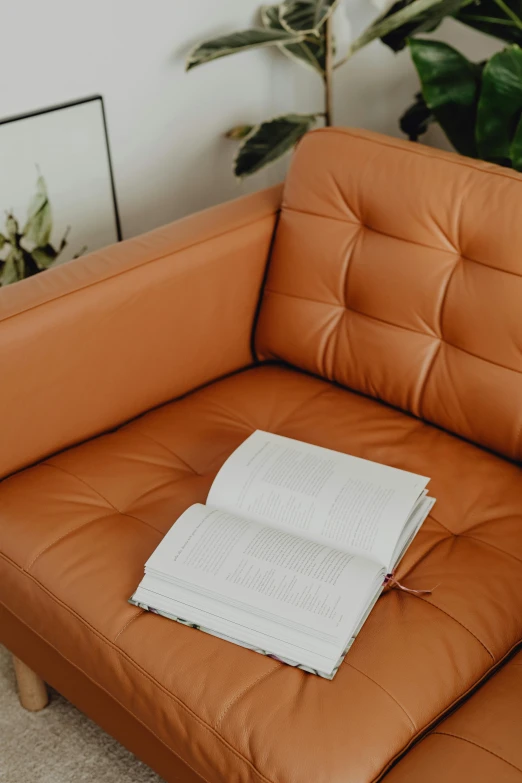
[(59, 744)]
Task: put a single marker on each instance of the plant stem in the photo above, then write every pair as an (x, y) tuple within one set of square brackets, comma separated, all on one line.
[(328, 73), (490, 20), (509, 13)]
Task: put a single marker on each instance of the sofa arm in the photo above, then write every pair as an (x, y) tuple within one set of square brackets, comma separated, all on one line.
[(93, 343)]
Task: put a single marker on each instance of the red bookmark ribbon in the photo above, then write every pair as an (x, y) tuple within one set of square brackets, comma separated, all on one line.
[(390, 581)]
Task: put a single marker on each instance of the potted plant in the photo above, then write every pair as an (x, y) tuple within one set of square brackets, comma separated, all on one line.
[(477, 105)]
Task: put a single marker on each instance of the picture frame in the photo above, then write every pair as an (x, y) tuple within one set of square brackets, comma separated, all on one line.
[(61, 152)]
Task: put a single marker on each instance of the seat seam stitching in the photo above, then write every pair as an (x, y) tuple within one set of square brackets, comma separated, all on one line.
[(107, 642), (456, 702), (172, 482), (169, 451), (475, 744), (302, 404), (492, 546), (226, 709), (226, 410), (99, 494), (102, 687), (494, 520), (61, 537), (154, 681), (452, 617), (382, 688), (138, 266), (429, 551), (129, 622), (442, 525), (472, 538)]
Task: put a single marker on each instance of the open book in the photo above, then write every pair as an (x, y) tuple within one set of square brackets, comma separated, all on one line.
[(290, 552)]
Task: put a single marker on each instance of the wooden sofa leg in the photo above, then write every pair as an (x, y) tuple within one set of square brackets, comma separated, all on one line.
[(32, 690)]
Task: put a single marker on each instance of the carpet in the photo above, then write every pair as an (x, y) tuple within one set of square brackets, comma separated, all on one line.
[(58, 744)]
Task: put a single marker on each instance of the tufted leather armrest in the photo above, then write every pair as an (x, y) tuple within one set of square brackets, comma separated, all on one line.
[(93, 343)]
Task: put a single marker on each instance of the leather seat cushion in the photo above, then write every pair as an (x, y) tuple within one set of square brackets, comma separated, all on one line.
[(76, 530), (479, 742)]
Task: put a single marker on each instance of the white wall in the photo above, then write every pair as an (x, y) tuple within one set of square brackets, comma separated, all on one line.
[(166, 126)]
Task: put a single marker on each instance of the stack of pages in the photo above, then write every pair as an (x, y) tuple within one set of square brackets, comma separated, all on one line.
[(290, 552)]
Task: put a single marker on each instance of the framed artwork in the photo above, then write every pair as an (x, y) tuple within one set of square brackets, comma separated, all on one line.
[(57, 190)]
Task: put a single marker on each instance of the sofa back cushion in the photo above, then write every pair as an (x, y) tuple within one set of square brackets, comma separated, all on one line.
[(397, 271)]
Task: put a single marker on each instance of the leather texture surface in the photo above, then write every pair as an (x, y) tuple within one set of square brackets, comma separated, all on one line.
[(94, 701), (76, 530), (481, 742), (93, 343), (397, 272)]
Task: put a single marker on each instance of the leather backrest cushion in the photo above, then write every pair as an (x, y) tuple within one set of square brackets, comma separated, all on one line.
[(397, 271)]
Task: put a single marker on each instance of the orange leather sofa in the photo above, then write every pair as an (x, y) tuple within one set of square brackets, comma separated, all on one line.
[(373, 306)]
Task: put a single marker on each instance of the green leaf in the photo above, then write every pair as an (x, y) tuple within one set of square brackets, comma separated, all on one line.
[(12, 228), (39, 223), (13, 269), (323, 9), (270, 141), (30, 266), (239, 132), (502, 20), (305, 15), (79, 253), (44, 256), (63, 242), (416, 119), (450, 86), (516, 148), (3, 241), (500, 105), (270, 17), (424, 22), (405, 15), (311, 51), (238, 42), (8, 274), (297, 16)]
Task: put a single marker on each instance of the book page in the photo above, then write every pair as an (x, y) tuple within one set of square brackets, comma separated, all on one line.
[(237, 625), (410, 530), (270, 573), (348, 503)]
